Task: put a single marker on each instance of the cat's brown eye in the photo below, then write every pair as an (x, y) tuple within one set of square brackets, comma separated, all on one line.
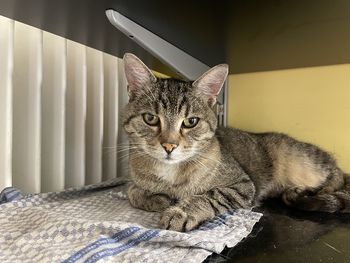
[(150, 119), (190, 122)]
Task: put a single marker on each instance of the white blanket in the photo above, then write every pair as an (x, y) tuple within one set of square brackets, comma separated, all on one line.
[(96, 223)]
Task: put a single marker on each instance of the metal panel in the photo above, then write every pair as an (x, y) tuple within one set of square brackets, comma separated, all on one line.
[(183, 63)]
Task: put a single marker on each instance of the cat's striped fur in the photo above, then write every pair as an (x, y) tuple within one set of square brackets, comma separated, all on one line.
[(210, 169)]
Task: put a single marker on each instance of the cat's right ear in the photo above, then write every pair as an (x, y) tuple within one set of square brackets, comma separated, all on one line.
[(138, 75)]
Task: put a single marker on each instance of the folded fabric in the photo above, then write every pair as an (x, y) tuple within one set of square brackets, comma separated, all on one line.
[(97, 223), (10, 194)]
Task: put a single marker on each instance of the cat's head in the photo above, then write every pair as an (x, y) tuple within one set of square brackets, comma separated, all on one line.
[(168, 119)]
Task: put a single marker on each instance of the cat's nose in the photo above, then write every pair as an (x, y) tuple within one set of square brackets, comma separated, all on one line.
[(169, 147)]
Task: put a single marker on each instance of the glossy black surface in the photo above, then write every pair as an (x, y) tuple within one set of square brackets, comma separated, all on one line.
[(249, 35), (291, 236)]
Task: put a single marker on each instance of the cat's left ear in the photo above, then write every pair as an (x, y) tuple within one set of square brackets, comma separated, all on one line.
[(210, 83)]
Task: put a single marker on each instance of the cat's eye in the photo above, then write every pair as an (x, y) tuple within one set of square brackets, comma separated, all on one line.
[(150, 119), (190, 122)]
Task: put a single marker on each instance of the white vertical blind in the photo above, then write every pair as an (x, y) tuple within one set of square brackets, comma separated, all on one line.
[(76, 115), (110, 128), (53, 112), (6, 70), (123, 157), (60, 105), (94, 124), (27, 107)]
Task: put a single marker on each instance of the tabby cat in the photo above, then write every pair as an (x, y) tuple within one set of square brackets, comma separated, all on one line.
[(184, 166)]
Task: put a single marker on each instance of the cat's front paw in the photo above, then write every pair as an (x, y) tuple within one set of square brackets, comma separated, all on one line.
[(175, 218), (158, 203)]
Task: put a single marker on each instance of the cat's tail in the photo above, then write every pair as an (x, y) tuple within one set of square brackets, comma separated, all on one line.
[(337, 201)]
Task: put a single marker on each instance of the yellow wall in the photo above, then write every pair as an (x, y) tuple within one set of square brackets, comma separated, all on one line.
[(310, 104)]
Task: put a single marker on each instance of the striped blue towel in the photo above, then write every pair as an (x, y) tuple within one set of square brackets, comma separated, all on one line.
[(96, 223), (10, 194)]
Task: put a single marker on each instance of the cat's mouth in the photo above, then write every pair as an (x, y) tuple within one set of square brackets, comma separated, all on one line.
[(170, 160)]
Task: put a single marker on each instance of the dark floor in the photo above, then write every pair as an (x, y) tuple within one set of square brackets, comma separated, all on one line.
[(284, 235)]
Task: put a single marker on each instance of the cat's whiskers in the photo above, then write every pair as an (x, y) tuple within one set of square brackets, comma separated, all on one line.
[(125, 145), (200, 164), (122, 149), (128, 155), (128, 146), (128, 143), (112, 151), (138, 157), (211, 160), (191, 162)]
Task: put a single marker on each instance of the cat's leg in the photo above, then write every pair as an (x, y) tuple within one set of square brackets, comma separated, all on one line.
[(148, 201), (188, 214), (314, 201), (292, 194), (330, 196)]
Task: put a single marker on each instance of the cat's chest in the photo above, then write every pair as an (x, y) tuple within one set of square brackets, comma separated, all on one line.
[(180, 184), (173, 181), (169, 175)]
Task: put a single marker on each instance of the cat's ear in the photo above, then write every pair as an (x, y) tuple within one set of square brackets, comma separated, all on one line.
[(138, 75), (208, 85)]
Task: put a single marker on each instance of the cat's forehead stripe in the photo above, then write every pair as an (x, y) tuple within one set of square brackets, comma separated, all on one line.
[(182, 103), (163, 99), (156, 107), (187, 109)]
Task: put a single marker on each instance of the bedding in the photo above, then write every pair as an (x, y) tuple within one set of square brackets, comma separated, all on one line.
[(96, 223)]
